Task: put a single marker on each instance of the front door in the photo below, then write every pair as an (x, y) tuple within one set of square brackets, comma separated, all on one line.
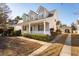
[(31, 29)]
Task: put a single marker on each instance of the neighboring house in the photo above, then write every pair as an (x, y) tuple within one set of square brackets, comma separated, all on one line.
[(17, 26), (65, 29), (39, 22), (76, 25)]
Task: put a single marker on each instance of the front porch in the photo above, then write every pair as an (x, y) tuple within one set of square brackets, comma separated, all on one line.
[(37, 28)]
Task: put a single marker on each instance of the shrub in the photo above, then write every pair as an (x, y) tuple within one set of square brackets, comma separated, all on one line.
[(1, 30), (10, 31), (17, 33), (58, 31), (51, 31), (53, 34), (41, 37)]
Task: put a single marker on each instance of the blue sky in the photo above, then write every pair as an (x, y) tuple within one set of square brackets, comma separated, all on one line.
[(67, 13)]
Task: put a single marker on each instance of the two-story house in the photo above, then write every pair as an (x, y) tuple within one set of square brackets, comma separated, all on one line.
[(39, 22), (76, 25)]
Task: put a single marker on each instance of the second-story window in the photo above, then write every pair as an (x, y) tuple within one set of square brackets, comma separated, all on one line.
[(40, 27), (41, 15), (55, 20)]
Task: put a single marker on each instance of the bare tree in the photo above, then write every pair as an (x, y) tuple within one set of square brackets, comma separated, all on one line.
[(4, 13), (73, 27), (17, 18), (58, 23)]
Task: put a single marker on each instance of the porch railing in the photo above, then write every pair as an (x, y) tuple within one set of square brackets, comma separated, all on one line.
[(40, 32)]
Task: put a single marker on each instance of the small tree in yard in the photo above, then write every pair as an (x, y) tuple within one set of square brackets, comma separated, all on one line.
[(17, 18), (10, 31), (73, 27), (58, 31), (53, 34), (4, 13), (58, 24), (1, 31), (51, 31)]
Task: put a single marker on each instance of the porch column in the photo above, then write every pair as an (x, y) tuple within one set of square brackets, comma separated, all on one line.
[(44, 27), (29, 28)]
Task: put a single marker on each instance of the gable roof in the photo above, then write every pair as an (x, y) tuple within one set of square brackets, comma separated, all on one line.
[(53, 11), (41, 9), (32, 12)]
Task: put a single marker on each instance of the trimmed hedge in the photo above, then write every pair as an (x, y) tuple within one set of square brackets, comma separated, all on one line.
[(41, 37)]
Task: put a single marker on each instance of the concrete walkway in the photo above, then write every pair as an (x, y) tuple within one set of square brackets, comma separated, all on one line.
[(66, 50), (40, 50)]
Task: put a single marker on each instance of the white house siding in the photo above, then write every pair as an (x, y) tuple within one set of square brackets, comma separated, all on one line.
[(17, 28), (78, 29), (50, 23)]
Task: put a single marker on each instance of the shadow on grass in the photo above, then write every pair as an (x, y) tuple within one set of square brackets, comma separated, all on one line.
[(62, 39), (9, 45), (3, 43), (75, 40)]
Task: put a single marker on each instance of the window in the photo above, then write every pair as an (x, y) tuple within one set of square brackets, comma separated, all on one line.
[(41, 16), (40, 28), (55, 20), (50, 15), (24, 28)]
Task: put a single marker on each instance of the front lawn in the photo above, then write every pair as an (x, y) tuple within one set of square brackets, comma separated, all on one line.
[(12, 46), (75, 45)]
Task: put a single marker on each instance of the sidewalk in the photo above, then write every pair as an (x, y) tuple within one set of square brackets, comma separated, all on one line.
[(66, 50)]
